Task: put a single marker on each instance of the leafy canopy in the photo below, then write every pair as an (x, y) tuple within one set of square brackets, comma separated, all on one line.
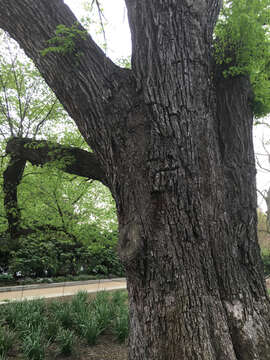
[(242, 46)]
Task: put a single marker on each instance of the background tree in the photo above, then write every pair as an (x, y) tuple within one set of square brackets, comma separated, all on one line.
[(39, 197), (173, 136)]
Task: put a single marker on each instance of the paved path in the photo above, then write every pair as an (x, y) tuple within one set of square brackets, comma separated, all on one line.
[(56, 290)]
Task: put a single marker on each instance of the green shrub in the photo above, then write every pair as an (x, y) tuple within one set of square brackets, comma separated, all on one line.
[(121, 324), (64, 314), (23, 314), (56, 254), (90, 329), (7, 338), (65, 339), (6, 278), (13, 314), (103, 256), (79, 301), (51, 328), (119, 298), (103, 310), (34, 345)]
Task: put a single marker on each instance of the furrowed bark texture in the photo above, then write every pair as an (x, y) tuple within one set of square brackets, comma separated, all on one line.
[(240, 268), (176, 148)]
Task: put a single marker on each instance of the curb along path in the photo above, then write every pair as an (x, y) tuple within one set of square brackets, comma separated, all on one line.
[(58, 289)]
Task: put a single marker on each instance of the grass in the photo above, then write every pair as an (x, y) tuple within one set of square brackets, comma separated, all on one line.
[(7, 338), (66, 340), (40, 330)]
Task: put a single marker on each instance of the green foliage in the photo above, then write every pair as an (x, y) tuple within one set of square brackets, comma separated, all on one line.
[(82, 210), (51, 328), (63, 313), (79, 301), (65, 340), (6, 278), (90, 329), (103, 258), (34, 345), (242, 46), (121, 319), (27, 105), (121, 324), (26, 318), (7, 339), (124, 62), (64, 41), (38, 325), (119, 298), (103, 310), (56, 253)]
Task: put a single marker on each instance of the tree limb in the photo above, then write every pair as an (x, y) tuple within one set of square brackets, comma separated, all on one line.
[(72, 160), (39, 152), (85, 81)]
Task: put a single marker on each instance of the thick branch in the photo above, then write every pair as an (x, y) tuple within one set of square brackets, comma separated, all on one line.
[(168, 27), (72, 160), (85, 81)]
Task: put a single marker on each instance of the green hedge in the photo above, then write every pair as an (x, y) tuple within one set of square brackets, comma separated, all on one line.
[(50, 255)]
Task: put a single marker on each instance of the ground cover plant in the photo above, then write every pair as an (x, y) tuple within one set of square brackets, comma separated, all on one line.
[(40, 330)]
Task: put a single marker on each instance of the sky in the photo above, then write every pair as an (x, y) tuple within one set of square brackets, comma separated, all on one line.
[(117, 29), (119, 45)]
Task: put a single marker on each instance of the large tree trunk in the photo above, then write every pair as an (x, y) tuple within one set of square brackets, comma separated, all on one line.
[(176, 147)]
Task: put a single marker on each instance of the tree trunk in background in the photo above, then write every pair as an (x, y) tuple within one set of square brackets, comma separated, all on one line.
[(176, 147), (12, 178), (240, 270)]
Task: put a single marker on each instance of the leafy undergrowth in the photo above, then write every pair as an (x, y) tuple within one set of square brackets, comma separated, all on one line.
[(83, 328)]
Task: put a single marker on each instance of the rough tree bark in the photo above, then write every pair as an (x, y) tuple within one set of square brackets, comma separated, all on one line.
[(174, 141)]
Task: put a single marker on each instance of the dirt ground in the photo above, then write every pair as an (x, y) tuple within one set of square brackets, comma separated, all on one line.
[(106, 349)]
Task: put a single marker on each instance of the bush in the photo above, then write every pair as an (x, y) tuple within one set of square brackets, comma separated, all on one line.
[(79, 301), (103, 256), (64, 314), (6, 341), (50, 255), (6, 278), (119, 298), (90, 328), (34, 345), (121, 324), (65, 340), (103, 310), (51, 328)]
